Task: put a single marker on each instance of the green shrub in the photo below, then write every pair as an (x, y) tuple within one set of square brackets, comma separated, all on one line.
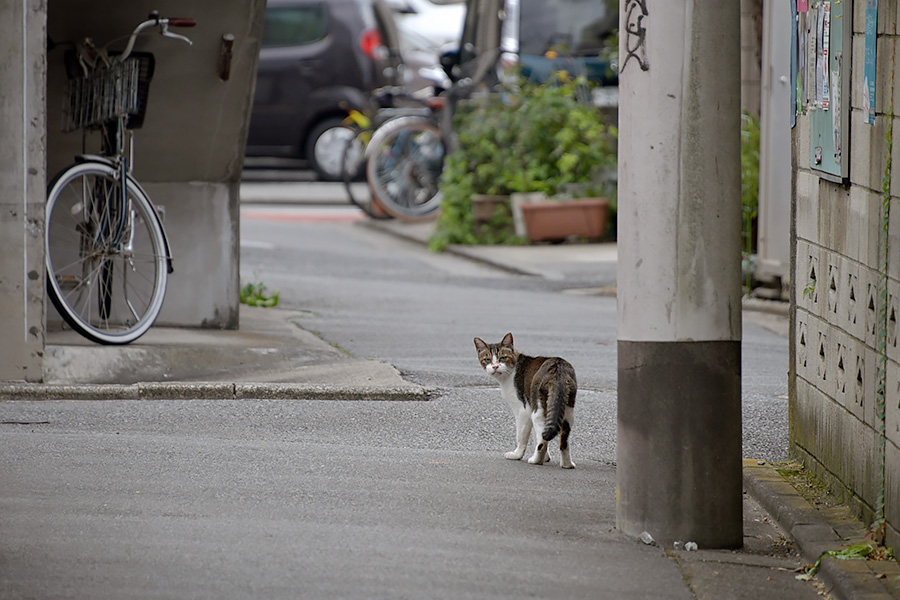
[(536, 138), (749, 194)]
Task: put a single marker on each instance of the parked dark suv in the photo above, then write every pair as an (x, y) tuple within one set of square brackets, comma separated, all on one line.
[(317, 59)]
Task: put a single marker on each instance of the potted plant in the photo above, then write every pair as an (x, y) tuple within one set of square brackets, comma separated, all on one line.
[(536, 139)]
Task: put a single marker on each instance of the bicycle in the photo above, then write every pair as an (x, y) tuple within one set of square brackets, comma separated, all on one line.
[(356, 153), (401, 151), (107, 255)]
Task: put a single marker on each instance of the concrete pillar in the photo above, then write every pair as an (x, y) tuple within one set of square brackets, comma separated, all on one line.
[(679, 294), (23, 181)]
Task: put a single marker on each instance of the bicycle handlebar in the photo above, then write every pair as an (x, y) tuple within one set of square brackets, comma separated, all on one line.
[(154, 20)]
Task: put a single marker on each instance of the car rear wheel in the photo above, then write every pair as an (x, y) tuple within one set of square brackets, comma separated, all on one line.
[(325, 148)]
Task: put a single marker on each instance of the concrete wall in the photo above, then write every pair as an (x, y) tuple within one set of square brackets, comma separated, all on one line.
[(188, 154), (23, 181), (836, 422)]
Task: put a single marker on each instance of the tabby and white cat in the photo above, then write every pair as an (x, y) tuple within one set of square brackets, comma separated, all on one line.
[(541, 393)]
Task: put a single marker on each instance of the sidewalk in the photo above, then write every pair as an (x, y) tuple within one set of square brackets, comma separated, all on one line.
[(272, 357)]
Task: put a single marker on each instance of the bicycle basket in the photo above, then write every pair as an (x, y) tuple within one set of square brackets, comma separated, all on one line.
[(107, 93)]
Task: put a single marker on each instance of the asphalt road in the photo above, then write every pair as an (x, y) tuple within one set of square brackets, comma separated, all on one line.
[(328, 499), (389, 299)]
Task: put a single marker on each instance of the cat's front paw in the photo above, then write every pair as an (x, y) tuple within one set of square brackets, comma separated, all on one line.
[(514, 455), (536, 460), (567, 465)]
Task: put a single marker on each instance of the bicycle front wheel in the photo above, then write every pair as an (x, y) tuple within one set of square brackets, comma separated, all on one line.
[(404, 164), (107, 262)]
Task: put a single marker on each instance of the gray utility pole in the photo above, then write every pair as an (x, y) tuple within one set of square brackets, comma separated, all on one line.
[(679, 272)]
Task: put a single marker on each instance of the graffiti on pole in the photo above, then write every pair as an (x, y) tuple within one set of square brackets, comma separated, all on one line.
[(636, 34)]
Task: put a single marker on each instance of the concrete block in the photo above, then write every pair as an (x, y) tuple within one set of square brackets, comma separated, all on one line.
[(834, 209), (824, 361), (843, 444), (859, 456), (891, 408), (804, 142), (893, 244), (882, 72), (855, 220), (849, 315), (833, 284), (893, 314), (859, 19), (857, 56), (868, 374), (840, 358), (801, 270), (803, 345), (802, 416), (817, 275), (870, 234), (895, 154), (871, 279), (887, 19), (892, 484), (868, 150), (807, 214)]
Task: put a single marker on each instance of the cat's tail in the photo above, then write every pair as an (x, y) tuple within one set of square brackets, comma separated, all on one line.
[(557, 409)]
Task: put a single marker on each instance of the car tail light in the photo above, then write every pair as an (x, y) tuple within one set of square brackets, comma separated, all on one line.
[(372, 46)]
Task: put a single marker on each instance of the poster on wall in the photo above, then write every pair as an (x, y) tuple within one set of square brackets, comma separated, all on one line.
[(795, 78), (798, 64), (812, 43), (823, 35), (870, 54)]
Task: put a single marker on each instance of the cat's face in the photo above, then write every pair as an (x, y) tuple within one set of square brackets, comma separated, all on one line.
[(497, 359)]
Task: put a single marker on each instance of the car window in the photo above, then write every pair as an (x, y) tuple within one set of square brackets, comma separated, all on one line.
[(294, 25), (568, 26)]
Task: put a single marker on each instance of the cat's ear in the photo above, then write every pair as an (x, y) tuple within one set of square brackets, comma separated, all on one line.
[(480, 345), (507, 340)]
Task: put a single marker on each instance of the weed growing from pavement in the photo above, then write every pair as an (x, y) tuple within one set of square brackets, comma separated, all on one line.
[(256, 294)]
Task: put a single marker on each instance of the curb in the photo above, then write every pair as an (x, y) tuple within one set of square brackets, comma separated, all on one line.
[(454, 249), (814, 535), (210, 391), (760, 305)]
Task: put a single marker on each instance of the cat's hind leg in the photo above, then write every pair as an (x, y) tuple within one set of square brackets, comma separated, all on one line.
[(565, 460), (540, 449), (523, 430), (537, 441)]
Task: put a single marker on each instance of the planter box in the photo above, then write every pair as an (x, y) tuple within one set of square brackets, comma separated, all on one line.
[(555, 221), (485, 206)]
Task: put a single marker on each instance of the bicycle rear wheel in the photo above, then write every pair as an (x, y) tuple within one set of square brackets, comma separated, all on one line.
[(107, 261), (404, 164), (353, 161)]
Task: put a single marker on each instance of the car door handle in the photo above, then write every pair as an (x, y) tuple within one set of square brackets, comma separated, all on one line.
[(307, 67)]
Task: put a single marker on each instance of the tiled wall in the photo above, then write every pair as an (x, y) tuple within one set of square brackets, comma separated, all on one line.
[(835, 423)]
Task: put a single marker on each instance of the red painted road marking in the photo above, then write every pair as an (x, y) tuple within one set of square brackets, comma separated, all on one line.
[(304, 215)]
